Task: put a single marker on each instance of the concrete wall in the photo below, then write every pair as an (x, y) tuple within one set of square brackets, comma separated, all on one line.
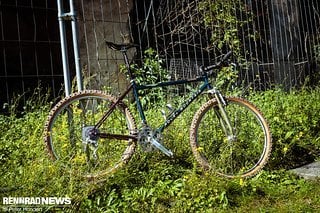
[(100, 21)]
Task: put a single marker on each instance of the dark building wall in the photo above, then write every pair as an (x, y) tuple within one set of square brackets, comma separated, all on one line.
[(29, 48)]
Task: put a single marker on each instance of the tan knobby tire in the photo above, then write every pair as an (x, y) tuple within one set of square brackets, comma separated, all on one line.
[(68, 121), (243, 155)]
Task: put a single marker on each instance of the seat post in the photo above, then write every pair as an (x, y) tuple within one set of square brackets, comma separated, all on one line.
[(126, 60)]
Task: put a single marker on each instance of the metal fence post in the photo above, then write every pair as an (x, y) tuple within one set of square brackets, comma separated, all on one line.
[(76, 46), (62, 17), (64, 52)]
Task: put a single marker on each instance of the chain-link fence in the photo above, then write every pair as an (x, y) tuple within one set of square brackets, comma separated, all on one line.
[(29, 48), (277, 39)]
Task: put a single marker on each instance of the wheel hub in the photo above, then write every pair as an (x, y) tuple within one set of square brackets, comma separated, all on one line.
[(90, 135)]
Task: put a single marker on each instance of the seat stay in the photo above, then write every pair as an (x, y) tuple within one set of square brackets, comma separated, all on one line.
[(112, 108)]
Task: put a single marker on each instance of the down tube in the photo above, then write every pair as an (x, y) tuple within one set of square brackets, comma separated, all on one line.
[(177, 112)]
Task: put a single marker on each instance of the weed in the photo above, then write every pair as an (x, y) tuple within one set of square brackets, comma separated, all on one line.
[(152, 182)]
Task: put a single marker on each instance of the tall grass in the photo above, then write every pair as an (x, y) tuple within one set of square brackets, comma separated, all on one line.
[(152, 182)]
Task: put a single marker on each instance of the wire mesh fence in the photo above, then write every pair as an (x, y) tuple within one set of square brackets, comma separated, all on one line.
[(29, 48), (278, 40)]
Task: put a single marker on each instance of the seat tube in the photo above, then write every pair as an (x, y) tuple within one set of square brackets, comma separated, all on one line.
[(138, 102), (134, 87), (126, 60)]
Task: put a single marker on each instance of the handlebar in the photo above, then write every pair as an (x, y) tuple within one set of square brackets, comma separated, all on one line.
[(209, 68)]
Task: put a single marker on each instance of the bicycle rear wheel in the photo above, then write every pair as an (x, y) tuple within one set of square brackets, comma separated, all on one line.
[(242, 155), (67, 128)]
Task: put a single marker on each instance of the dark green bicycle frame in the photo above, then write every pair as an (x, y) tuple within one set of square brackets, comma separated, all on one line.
[(136, 88), (184, 105)]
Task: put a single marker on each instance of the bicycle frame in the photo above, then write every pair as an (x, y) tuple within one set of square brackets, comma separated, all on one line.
[(184, 105), (136, 88)]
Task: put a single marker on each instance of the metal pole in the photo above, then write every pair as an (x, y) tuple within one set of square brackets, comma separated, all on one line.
[(64, 52), (76, 46)]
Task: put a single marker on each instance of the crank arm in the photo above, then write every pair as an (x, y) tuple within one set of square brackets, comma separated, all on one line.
[(159, 146)]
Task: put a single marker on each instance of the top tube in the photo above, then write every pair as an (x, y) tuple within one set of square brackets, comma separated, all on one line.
[(170, 83)]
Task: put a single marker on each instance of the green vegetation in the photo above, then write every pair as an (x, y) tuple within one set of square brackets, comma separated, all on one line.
[(152, 71), (152, 182), (222, 18)]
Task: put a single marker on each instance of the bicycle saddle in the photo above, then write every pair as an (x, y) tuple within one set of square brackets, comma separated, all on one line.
[(120, 47)]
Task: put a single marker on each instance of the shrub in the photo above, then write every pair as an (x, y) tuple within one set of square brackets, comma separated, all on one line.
[(295, 125)]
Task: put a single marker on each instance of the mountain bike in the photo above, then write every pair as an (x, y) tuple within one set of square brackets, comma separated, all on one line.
[(96, 133)]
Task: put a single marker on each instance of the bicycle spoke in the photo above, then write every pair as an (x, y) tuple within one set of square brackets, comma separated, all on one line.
[(240, 152), (72, 139)]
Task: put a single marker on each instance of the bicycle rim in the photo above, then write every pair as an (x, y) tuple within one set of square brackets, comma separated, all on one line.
[(65, 134), (242, 155)]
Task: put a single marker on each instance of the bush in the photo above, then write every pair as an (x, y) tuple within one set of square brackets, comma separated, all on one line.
[(295, 125)]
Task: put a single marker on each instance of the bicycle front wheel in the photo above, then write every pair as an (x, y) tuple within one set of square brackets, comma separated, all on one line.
[(242, 154), (67, 130)]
